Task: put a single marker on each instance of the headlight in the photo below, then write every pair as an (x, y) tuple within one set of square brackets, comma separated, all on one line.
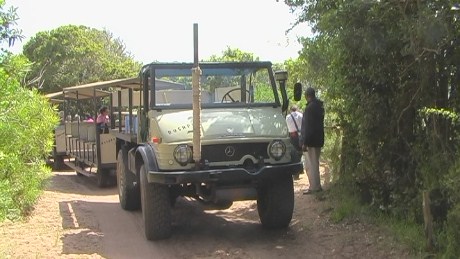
[(183, 154), (277, 149)]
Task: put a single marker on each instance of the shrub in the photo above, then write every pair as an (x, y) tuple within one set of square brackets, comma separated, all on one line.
[(26, 125)]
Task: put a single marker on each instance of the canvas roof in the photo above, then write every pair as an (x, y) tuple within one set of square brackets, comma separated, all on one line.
[(90, 90), (100, 89)]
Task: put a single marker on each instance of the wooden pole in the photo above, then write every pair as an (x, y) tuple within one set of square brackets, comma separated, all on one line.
[(196, 74)]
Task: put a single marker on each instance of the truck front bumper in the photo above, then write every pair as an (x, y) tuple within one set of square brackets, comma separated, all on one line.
[(223, 175)]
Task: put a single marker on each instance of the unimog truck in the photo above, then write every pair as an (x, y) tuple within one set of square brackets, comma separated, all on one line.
[(215, 132), (223, 141)]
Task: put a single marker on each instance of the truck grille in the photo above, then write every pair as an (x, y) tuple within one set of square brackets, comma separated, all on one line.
[(233, 152)]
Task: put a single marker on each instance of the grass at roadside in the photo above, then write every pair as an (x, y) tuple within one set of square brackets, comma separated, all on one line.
[(347, 206)]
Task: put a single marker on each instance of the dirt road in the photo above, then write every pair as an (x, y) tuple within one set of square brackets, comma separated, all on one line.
[(76, 219)]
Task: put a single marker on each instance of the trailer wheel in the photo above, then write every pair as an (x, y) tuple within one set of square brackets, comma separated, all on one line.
[(103, 177), (58, 160), (275, 202), (156, 208), (128, 192)]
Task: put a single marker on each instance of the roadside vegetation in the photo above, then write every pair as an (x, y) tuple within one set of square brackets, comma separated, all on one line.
[(26, 128), (69, 55), (389, 72)]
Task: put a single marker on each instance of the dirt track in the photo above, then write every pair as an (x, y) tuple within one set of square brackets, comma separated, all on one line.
[(76, 219)]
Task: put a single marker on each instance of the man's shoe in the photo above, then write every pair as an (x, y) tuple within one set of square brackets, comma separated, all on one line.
[(308, 191)]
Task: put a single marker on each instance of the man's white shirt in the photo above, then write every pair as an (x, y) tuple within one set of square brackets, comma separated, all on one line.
[(297, 116)]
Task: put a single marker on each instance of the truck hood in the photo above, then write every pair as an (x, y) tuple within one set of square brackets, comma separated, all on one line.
[(222, 123)]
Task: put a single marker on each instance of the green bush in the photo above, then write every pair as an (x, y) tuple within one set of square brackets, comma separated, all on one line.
[(452, 235), (26, 137)]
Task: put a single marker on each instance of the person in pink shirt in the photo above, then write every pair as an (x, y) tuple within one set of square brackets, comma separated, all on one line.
[(88, 118), (103, 119)]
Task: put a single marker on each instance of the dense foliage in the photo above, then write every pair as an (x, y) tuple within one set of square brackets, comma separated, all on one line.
[(73, 55), (390, 71), (8, 32), (26, 129)]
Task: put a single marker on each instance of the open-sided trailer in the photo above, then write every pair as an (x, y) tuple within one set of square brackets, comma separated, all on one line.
[(93, 149)]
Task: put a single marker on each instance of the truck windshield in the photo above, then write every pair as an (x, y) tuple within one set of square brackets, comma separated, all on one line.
[(232, 84)]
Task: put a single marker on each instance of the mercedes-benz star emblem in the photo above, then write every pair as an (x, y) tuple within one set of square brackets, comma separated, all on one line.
[(229, 151)]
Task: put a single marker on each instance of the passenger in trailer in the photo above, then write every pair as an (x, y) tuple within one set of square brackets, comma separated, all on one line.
[(103, 120), (76, 118), (61, 118), (89, 118)]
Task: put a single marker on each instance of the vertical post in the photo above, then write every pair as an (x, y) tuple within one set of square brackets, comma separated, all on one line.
[(195, 45), (64, 108), (196, 74), (77, 141), (120, 119), (145, 104), (152, 87), (112, 119), (98, 135), (130, 110)]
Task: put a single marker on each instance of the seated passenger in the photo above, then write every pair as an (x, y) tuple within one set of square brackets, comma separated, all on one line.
[(89, 118), (76, 118), (103, 120)]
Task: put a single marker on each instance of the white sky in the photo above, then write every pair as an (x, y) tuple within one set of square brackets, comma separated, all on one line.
[(163, 29)]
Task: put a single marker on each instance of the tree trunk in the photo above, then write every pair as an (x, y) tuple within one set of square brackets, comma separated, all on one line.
[(428, 219)]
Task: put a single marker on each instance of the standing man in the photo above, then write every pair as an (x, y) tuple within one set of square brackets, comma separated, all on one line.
[(313, 136), (294, 124)]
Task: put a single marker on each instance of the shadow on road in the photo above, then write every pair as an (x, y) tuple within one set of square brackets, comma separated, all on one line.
[(70, 182), (104, 228), (81, 231)]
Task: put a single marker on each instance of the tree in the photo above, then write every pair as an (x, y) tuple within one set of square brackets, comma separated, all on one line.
[(233, 55), (8, 31), (73, 55)]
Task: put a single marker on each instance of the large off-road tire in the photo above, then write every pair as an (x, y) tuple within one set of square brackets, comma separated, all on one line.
[(103, 177), (275, 202), (156, 208), (128, 193)]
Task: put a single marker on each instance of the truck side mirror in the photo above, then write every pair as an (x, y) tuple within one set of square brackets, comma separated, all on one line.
[(297, 91)]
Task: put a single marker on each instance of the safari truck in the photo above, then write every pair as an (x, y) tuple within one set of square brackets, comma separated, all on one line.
[(220, 137), (223, 142)]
